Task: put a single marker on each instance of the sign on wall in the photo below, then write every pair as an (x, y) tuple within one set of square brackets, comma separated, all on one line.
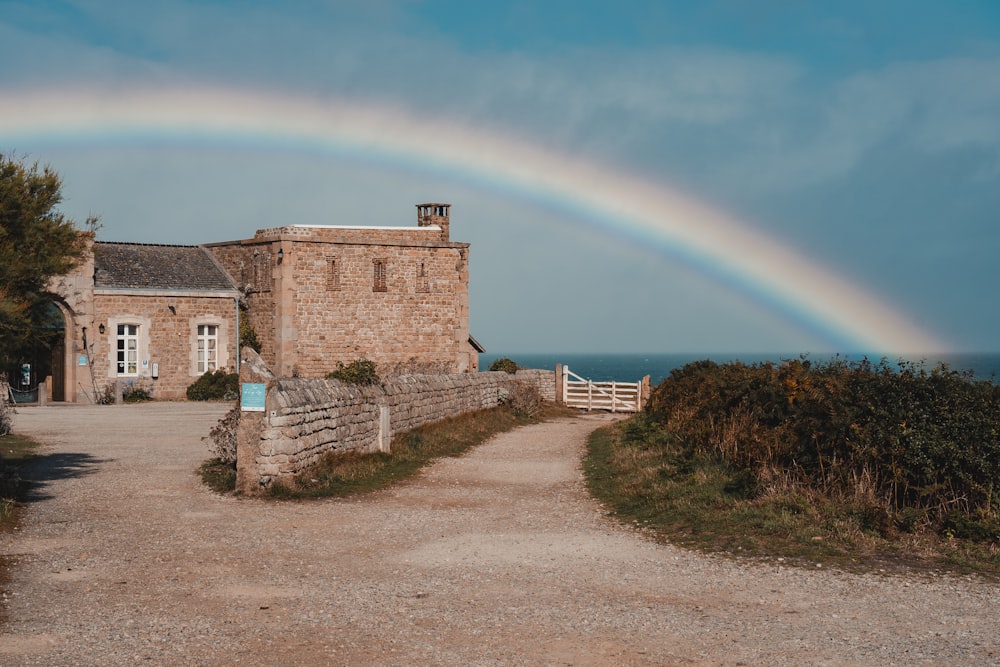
[(252, 396)]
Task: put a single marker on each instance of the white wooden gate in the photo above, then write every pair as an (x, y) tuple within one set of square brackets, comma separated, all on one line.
[(613, 396)]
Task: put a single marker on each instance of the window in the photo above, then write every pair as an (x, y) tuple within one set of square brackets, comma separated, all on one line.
[(128, 349), (332, 274), (208, 348), (423, 284), (380, 280)]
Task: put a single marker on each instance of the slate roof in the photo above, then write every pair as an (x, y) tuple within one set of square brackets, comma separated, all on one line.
[(161, 267)]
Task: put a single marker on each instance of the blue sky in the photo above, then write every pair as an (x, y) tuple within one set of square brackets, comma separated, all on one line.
[(862, 134)]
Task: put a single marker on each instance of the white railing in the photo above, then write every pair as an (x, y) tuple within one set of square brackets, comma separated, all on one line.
[(589, 395)]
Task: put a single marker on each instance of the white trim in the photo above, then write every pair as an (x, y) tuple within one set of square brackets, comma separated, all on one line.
[(142, 345), (366, 227)]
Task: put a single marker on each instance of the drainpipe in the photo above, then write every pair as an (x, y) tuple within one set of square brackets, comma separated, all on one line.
[(237, 301)]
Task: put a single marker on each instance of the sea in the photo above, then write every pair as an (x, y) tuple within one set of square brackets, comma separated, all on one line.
[(633, 367)]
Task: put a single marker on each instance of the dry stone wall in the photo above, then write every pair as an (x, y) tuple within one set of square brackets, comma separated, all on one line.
[(544, 381), (305, 418)]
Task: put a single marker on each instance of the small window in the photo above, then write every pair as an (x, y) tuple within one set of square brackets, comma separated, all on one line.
[(128, 349), (332, 274), (380, 280), (208, 348), (423, 285)]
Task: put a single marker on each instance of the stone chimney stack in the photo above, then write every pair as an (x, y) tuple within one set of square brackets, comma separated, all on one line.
[(429, 215)]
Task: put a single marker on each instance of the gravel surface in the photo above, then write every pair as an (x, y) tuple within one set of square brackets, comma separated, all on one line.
[(495, 558)]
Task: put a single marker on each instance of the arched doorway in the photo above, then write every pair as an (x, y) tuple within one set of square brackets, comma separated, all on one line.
[(39, 354)]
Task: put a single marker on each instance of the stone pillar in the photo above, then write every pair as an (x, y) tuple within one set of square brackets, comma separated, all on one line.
[(252, 369), (644, 392)]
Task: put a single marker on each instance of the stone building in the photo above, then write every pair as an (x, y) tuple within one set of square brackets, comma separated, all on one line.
[(323, 294), (316, 295)]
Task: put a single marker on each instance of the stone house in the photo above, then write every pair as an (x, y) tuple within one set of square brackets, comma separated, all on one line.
[(159, 316)]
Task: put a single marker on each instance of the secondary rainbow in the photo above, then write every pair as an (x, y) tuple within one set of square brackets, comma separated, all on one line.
[(619, 203)]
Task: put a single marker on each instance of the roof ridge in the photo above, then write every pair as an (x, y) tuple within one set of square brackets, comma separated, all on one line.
[(148, 245)]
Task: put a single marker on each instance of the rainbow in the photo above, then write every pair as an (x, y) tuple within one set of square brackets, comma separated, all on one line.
[(610, 200)]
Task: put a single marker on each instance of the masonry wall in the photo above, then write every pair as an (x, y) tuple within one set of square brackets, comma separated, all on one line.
[(167, 337), (250, 266), (306, 418), (544, 381), (319, 296)]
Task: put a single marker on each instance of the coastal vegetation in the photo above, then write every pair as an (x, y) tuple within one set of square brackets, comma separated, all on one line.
[(821, 462)]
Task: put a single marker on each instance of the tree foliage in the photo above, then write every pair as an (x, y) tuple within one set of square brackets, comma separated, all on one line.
[(505, 365), (37, 242)]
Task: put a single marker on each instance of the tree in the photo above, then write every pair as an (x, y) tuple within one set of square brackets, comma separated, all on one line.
[(37, 242)]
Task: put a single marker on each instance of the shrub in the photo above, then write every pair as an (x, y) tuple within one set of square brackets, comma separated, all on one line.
[(908, 445), (524, 399), (504, 364), (222, 437), (216, 386), (134, 393), (361, 372)]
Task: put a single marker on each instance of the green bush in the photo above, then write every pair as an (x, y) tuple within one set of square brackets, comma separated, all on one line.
[(921, 444), (504, 364), (136, 394), (361, 371), (216, 386)]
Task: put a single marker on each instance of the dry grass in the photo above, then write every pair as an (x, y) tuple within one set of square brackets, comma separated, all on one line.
[(652, 480)]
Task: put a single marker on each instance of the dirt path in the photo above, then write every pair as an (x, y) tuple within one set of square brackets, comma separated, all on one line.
[(495, 558)]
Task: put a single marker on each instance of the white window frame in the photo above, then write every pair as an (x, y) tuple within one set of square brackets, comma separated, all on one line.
[(207, 352), (222, 343), (126, 333), (143, 326)]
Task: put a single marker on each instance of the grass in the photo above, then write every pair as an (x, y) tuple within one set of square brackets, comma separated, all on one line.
[(649, 479), (349, 473)]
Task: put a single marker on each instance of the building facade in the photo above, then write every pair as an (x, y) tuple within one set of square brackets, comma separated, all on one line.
[(157, 317)]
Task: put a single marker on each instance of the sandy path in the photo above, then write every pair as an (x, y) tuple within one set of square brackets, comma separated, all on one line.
[(495, 558)]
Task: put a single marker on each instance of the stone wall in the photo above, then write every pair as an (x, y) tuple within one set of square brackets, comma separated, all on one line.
[(304, 418), (545, 381), (168, 325)]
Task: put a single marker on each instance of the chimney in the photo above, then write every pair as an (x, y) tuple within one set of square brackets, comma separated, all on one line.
[(429, 215)]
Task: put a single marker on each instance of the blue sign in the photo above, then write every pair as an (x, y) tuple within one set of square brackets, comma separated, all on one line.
[(252, 396)]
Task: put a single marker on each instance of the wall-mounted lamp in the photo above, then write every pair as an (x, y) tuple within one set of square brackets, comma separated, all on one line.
[(101, 328), (281, 254)]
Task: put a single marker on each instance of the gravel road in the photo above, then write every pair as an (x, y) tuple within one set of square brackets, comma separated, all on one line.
[(495, 558)]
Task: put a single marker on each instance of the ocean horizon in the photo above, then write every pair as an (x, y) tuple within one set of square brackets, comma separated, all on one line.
[(631, 367)]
